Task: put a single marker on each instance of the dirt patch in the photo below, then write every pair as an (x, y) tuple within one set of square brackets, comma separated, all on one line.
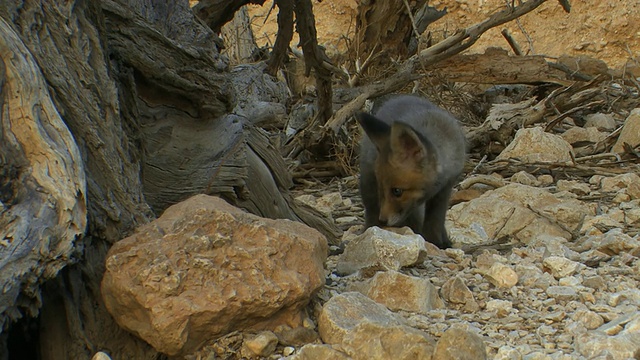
[(606, 30)]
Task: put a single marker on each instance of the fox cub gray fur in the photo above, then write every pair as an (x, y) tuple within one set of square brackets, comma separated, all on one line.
[(410, 159)]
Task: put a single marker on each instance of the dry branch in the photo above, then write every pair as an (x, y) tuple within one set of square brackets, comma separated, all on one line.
[(216, 13), (463, 39), (314, 57), (447, 48), (284, 36), (496, 66), (508, 167)]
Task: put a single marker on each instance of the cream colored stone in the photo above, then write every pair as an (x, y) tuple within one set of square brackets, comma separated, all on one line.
[(460, 344), (402, 292), (536, 145), (560, 266), (381, 248), (502, 276), (630, 132)]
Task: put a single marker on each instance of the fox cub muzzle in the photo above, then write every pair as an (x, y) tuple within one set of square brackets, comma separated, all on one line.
[(410, 159)]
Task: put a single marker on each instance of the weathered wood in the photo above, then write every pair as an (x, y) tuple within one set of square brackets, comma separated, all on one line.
[(385, 25), (75, 66), (130, 79), (69, 47), (240, 44), (496, 66), (504, 120), (314, 57), (43, 191), (174, 67), (284, 36), (506, 168), (216, 13)]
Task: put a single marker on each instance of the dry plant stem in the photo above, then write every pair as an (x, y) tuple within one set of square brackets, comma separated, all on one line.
[(506, 221), (416, 33), (475, 168), (327, 65), (314, 174), (567, 113), (598, 156), (574, 232), (360, 68), (512, 42)]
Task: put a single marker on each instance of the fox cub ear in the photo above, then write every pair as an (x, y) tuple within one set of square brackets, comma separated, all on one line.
[(377, 130), (406, 146)]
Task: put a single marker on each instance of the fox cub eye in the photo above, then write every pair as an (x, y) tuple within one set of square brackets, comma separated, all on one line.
[(397, 192)]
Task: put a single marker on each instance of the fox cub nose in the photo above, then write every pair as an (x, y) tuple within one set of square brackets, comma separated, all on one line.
[(383, 221)]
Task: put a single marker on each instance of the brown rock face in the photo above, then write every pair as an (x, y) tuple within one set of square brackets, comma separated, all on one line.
[(206, 268)]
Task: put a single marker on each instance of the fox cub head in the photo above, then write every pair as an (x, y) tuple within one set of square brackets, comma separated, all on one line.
[(406, 167)]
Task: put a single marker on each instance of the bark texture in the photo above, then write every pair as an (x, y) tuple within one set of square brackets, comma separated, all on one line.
[(142, 105), (42, 183)]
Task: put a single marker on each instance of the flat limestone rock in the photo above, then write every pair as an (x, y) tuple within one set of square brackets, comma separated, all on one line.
[(378, 248), (535, 145), (515, 210), (365, 330), (402, 292)]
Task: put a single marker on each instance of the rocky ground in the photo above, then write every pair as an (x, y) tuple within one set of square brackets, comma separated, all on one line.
[(543, 267), (546, 257), (536, 294), (545, 263)]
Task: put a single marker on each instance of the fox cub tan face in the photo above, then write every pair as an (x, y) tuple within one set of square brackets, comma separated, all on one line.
[(410, 159), (404, 169)]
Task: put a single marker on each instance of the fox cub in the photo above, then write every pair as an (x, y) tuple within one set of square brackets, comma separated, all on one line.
[(410, 159)]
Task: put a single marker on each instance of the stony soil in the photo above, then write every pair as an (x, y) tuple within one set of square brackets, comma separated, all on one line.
[(546, 298), (543, 300)]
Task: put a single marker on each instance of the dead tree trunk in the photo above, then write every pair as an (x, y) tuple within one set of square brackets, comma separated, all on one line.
[(149, 114), (384, 26), (240, 44)]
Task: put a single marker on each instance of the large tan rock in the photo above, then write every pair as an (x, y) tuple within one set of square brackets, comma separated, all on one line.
[(517, 210), (628, 184), (577, 135), (535, 145), (316, 351), (619, 339), (206, 268), (455, 291), (342, 313), (373, 341)]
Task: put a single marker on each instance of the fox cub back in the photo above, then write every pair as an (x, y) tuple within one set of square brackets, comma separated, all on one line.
[(410, 159)]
